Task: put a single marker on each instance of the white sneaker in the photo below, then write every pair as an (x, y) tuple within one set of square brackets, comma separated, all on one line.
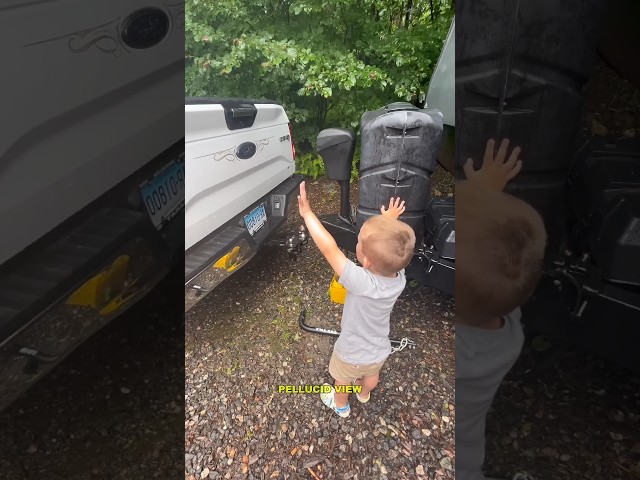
[(329, 400), (361, 399)]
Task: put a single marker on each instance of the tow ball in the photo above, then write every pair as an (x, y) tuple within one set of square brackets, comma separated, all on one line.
[(294, 242)]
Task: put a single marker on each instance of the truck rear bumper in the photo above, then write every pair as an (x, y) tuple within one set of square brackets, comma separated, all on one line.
[(228, 248), (75, 280)]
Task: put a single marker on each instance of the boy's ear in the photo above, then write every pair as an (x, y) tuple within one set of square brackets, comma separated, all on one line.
[(365, 262)]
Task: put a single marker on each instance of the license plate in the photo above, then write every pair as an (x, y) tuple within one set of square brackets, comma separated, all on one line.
[(163, 195), (256, 219)]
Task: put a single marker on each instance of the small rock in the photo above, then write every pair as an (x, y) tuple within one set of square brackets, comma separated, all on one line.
[(205, 473), (32, 449), (445, 462), (420, 470), (565, 457), (616, 436), (383, 469), (312, 463), (415, 433), (125, 390)]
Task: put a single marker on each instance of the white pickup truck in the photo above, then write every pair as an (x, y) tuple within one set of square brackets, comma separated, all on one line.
[(91, 172), (240, 183)]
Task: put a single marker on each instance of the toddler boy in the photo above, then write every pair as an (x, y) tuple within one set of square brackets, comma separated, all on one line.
[(385, 247), (500, 243)]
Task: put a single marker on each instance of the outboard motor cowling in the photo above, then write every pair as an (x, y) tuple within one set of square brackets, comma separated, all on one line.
[(399, 150)]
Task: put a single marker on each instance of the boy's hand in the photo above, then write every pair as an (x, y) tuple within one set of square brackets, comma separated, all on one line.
[(495, 172), (396, 208), (303, 203)]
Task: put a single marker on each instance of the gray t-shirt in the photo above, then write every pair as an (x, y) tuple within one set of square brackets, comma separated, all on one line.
[(364, 335), (483, 358)]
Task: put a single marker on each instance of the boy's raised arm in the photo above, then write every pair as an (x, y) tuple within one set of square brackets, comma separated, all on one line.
[(323, 239)]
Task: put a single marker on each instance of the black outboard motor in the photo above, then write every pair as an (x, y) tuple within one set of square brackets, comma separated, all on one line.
[(525, 83), (400, 143), (399, 150)]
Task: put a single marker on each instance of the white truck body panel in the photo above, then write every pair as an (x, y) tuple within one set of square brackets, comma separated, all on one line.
[(219, 185), (87, 133)]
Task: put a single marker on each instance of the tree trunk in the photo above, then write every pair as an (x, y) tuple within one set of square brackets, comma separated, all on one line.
[(407, 18), (322, 112)]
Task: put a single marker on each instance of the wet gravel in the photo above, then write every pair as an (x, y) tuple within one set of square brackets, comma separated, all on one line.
[(564, 414), (243, 340)]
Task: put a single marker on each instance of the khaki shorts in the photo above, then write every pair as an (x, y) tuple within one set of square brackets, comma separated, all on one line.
[(346, 372)]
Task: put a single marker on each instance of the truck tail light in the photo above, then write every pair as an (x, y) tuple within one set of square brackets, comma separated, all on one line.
[(293, 147)]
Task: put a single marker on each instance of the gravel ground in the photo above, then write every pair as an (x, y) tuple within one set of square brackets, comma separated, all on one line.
[(243, 340), (562, 413), (112, 409)]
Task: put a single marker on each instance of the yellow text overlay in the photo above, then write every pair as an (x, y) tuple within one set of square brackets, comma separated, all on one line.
[(319, 388)]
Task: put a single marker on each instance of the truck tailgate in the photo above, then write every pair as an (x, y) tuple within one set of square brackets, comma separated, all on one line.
[(227, 170)]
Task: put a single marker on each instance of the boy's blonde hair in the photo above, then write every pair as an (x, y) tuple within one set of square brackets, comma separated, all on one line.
[(500, 244), (389, 244)]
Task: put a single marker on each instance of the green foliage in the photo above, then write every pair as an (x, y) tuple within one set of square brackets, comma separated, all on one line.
[(310, 164), (327, 62), (355, 165)]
